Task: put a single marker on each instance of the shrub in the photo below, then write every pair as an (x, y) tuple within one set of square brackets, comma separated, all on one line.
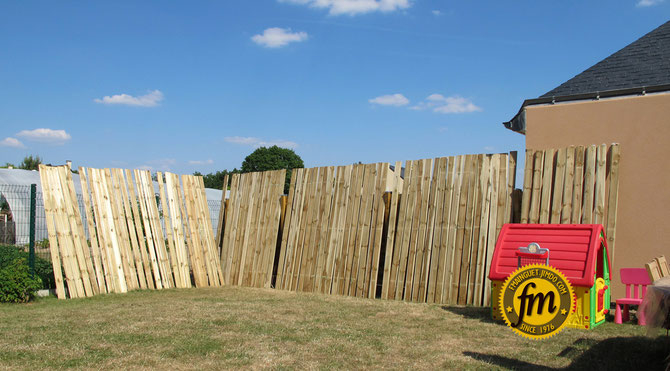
[(16, 284), (43, 268)]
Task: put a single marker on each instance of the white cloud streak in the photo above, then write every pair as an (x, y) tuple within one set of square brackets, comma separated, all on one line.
[(258, 142), (163, 164), (276, 37), (390, 100), (201, 162), (646, 3), (151, 99), (45, 135), (441, 104), (354, 7), (11, 142)]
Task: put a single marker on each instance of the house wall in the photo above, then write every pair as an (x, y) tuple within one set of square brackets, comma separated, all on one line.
[(641, 124)]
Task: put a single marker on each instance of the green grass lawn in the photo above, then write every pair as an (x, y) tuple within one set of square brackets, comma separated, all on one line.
[(234, 327)]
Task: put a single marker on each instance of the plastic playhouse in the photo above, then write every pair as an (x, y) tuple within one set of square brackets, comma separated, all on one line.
[(579, 251)]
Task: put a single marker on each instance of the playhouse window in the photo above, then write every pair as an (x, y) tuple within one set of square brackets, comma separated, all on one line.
[(600, 262)]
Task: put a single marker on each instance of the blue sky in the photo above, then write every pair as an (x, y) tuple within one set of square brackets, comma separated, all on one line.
[(196, 86)]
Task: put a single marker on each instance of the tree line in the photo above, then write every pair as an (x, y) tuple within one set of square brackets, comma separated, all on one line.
[(262, 159)]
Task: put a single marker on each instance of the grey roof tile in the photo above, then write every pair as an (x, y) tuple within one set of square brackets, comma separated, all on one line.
[(645, 62)]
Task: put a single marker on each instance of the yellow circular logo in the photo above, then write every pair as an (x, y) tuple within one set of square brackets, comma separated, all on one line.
[(536, 301)]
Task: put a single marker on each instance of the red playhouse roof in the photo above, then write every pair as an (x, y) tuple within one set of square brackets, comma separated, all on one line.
[(572, 249)]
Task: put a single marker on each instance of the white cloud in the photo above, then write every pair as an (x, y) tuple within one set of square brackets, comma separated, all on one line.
[(11, 142), (163, 164), (436, 13), (489, 148), (645, 3), (150, 99), (441, 104), (258, 142), (354, 7), (45, 135), (390, 100), (276, 37), (200, 162)]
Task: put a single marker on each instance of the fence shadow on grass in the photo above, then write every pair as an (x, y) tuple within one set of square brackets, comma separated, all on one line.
[(641, 353), (482, 314)]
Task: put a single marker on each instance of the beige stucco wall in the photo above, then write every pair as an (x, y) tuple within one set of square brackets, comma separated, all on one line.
[(641, 125)]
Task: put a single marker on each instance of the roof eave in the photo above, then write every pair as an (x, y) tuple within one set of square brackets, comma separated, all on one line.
[(518, 122)]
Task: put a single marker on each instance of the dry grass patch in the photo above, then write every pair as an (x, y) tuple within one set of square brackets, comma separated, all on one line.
[(235, 327)]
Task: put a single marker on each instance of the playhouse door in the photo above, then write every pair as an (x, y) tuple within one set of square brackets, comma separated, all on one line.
[(601, 306)]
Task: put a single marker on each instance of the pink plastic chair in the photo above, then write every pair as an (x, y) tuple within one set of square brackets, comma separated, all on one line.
[(636, 279)]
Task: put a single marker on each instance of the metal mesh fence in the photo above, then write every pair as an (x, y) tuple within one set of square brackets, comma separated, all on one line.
[(15, 218)]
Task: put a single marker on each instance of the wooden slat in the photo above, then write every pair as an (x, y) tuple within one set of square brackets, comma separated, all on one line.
[(286, 229), (104, 240), (480, 183), (93, 236), (363, 240), (536, 195), (121, 230), (334, 237), (420, 242), (351, 230), (437, 214), (613, 198), (177, 225), (527, 186), (72, 275), (466, 246), (547, 177), (391, 231), (180, 280), (150, 240), (589, 185), (50, 212), (577, 195), (396, 281), (222, 208), (450, 265), (382, 178), (493, 217), (350, 177), (117, 174), (559, 186), (481, 264), (196, 244), (290, 230), (232, 219), (419, 191), (141, 238), (416, 168), (601, 186), (297, 231), (566, 212), (445, 249), (328, 195), (208, 231), (653, 270)]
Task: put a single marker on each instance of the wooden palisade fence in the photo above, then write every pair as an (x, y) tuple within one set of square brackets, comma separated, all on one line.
[(574, 185), (422, 233), (361, 230), (128, 246)]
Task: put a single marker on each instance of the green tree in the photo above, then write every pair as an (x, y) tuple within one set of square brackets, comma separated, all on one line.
[(273, 158), (30, 163), (215, 180)]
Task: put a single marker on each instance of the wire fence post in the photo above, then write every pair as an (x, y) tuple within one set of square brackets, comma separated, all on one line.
[(31, 243)]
